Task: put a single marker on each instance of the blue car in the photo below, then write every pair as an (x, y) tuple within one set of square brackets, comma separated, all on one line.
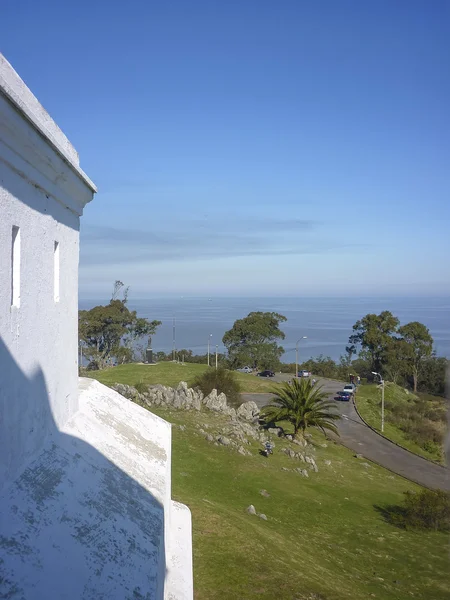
[(344, 396)]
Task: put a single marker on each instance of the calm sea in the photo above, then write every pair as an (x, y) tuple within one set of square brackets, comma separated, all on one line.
[(327, 322)]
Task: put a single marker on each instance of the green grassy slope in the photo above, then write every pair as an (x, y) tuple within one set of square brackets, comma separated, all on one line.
[(368, 401), (170, 374), (324, 538)]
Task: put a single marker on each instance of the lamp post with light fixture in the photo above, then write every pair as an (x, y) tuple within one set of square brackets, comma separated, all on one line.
[(382, 399), (296, 353)]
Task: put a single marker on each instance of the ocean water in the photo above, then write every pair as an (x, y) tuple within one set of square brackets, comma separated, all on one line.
[(327, 322)]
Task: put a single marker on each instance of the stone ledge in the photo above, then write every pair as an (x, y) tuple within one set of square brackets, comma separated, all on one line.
[(21, 97)]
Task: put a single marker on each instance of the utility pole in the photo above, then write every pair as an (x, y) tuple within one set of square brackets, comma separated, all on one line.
[(216, 355), (209, 340), (296, 353), (382, 399), (81, 356)]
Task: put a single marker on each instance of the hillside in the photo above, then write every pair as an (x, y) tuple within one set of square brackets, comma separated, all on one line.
[(325, 537), (416, 422), (169, 373)]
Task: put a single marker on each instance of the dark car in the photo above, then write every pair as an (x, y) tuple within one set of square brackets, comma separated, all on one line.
[(266, 374), (345, 396)]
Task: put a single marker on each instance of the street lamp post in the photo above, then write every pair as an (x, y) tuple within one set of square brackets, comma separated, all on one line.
[(296, 353), (209, 340), (382, 399), (216, 355)]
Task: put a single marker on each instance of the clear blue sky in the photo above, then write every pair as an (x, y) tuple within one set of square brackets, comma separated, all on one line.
[(251, 146)]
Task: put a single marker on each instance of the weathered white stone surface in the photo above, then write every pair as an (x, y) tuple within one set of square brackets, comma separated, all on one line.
[(43, 192), (91, 515), (85, 494), (179, 581)]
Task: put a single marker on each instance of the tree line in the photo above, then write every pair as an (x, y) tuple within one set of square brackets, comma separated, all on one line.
[(403, 354)]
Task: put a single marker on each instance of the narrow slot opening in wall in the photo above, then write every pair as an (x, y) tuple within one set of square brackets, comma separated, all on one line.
[(15, 267), (56, 271)]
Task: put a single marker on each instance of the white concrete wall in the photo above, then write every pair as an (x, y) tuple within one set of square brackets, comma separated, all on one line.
[(43, 192)]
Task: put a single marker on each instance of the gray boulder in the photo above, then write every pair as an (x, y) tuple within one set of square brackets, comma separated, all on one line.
[(224, 440), (264, 493), (262, 516), (251, 510), (248, 411), (300, 442), (302, 472), (231, 412), (216, 402), (278, 431)]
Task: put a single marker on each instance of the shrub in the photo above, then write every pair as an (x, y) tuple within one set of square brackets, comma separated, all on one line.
[(223, 381), (433, 448), (427, 509), (141, 387)]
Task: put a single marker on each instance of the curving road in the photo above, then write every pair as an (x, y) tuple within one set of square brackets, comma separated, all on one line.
[(355, 434)]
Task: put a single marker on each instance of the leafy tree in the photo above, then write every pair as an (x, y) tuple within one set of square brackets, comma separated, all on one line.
[(253, 340), (374, 334), (418, 347), (395, 360), (432, 375), (107, 330), (123, 355), (222, 380), (303, 405)]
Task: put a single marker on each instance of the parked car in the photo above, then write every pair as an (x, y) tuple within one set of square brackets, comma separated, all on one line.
[(245, 370), (266, 374), (344, 396), (350, 389), (304, 373)]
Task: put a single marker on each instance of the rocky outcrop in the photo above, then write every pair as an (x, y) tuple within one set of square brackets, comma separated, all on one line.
[(303, 457), (185, 398)]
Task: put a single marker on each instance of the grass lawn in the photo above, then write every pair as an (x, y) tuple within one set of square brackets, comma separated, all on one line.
[(324, 538), (368, 401), (170, 374)]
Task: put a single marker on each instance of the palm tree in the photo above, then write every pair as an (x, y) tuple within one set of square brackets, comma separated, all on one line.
[(303, 405)]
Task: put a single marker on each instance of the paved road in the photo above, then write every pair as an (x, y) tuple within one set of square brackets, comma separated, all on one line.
[(362, 440)]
